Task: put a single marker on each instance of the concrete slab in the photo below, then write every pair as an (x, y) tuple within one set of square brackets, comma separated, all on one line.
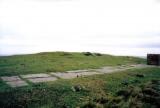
[(90, 73), (10, 78), (18, 83), (109, 69), (45, 79), (77, 71), (73, 75), (35, 76), (66, 75), (14, 81)]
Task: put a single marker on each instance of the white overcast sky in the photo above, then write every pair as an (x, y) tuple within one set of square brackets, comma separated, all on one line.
[(119, 27)]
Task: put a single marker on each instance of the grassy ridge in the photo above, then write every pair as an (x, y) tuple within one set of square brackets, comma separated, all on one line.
[(98, 91), (59, 61)]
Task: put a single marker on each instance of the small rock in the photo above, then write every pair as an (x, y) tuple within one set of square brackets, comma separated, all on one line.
[(76, 88)]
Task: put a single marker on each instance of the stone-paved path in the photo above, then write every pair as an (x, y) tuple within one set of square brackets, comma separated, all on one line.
[(22, 80)]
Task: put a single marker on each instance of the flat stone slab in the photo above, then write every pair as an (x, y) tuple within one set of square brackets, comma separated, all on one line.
[(14, 81), (45, 79), (36, 76), (77, 71), (110, 69), (18, 83), (11, 78), (73, 75), (90, 73), (66, 75)]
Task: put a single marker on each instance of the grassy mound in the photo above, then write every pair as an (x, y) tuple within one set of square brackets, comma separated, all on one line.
[(59, 61)]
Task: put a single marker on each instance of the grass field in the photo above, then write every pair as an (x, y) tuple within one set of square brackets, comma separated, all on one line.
[(134, 88), (59, 62), (116, 90)]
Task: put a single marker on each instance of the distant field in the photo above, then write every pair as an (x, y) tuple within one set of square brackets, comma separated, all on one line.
[(59, 62)]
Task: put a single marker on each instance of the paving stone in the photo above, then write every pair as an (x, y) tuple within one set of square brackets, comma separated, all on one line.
[(35, 76), (74, 75), (66, 75), (14, 81), (90, 73), (45, 79), (77, 71), (107, 69), (110, 69), (17, 83), (10, 78)]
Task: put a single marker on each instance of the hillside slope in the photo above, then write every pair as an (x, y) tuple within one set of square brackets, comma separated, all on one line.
[(59, 61)]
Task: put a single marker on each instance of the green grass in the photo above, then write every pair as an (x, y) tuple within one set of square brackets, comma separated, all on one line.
[(97, 91), (58, 61)]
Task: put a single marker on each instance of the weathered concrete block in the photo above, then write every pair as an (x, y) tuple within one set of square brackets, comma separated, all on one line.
[(74, 74), (35, 76), (17, 83), (10, 78), (14, 81), (66, 75), (45, 79)]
